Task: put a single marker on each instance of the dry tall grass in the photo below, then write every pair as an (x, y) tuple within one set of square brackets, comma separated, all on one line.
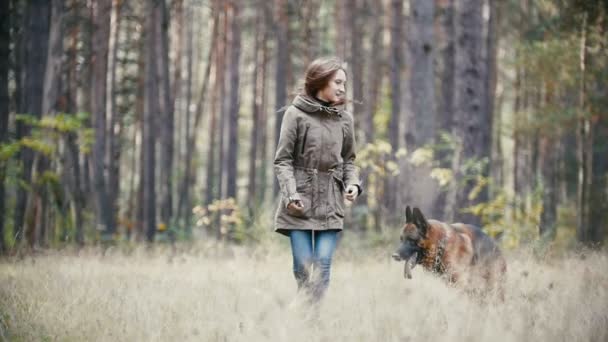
[(249, 295)]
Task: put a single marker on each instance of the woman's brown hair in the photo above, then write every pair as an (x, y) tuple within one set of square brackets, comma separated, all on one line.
[(319, 73)]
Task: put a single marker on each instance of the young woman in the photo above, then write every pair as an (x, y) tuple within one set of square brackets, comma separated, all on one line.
[(314, 164)]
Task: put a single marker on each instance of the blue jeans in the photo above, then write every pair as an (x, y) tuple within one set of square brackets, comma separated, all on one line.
[(318, 255)]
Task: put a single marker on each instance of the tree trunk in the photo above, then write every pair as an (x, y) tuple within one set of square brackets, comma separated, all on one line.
[(598, 196), (184, 207), (471, 122), (115, 121), (396, 65), (178, 23), (151, 112), (282, 65), (213, 185), (72, 154), (225, 105), (166, 113), (584, 148), (547, 163), (547, 172), (35, 43), (420, 126), (101, 37), (137, 202), (86, 83), (491, 45), (255, 110), (356, 58), (184, 202), (233, 128), (263, 134), (5, 37), (53, 70), (445, 87), (375, 71), (50, 105), (341, 10), (310, 44)]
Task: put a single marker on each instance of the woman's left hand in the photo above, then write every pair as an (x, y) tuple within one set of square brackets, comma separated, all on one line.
[(352, 191)]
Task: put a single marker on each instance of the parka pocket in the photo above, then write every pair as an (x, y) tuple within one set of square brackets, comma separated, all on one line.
[(304, 187), (303, 149), (338, 191)]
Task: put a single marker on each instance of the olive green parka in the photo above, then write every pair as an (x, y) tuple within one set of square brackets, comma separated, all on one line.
[(314, 163)]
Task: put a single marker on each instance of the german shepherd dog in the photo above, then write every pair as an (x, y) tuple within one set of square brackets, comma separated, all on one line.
[(458, 252)]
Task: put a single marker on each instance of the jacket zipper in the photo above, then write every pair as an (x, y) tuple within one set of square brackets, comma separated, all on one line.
[(304, 139)]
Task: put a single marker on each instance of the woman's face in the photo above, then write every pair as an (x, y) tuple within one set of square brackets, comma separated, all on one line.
[(336, 88)]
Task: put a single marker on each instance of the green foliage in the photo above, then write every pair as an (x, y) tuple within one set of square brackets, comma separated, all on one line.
[(38, 145), (382, 115), (516, 217), (377, 158), (9, 150), (222, 217), (46, 139)]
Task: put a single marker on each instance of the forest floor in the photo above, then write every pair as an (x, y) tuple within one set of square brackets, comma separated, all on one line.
[(215, 293)]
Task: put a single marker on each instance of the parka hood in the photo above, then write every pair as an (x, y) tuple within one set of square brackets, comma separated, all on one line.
[(307, 104)]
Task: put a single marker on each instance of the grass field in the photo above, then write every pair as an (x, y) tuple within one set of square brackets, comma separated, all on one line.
[(237, 294)]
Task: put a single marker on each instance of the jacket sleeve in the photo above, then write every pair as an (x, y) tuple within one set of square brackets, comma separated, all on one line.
[(351, 172), (284, 157)]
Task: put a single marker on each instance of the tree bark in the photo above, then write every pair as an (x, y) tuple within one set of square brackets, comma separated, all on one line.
[(420, 126), (547, 170), (35, 47), (375, 70), (151, 112), (225, 104), (547, 163), (584, 147), (445, 87), (166, 113), (390, 197), (115, 120), (396, 65), (356, 58), (213, 186), (101, 37), (53, 70), (282, 66), (184, 207), (255, 110), (233, 128), (341, 10), (263, 134), (5, 37), (598, 196), (469, 98)]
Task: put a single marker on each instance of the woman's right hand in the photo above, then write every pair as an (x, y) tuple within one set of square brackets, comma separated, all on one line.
[(296, 205)]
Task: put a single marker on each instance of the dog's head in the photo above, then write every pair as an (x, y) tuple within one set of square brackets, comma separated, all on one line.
[(412, 233)]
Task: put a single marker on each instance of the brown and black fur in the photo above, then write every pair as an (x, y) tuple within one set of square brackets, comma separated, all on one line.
[(462, 253)]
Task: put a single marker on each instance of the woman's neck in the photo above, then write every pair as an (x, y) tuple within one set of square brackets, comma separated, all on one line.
[(322, 101)]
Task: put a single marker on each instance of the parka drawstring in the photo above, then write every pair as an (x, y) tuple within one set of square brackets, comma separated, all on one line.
[(312, 106)]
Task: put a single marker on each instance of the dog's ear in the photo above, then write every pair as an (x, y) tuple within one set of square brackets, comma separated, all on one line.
[(408, 214), (420, 221)]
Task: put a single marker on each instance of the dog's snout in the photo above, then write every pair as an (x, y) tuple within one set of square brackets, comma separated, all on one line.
[(396, 256)]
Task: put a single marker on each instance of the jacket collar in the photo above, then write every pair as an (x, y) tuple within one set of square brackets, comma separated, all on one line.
[(310, 105)]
